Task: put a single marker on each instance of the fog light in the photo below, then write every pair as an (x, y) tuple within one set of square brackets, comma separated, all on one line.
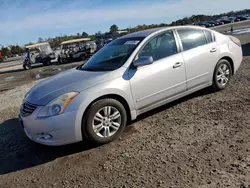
[(45, 136)]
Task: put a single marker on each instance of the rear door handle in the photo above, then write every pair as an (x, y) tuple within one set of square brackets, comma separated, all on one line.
[(176, 65), (213, 50)]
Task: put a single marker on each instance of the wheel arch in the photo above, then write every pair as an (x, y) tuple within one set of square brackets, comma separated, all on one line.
[(117, 97), (229, 59)]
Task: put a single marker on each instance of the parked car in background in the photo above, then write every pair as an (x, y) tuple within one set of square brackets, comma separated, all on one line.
[(247, 16), (219, 21), (226, 20), (241, 18), (232, 19), (211, 23), (76, 50), (204, 24), (127, 77), (214, 23)]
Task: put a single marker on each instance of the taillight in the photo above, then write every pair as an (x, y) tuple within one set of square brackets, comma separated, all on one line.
[(235, 40)]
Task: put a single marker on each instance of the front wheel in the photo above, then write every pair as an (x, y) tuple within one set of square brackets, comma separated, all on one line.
[(104, 121), (222, 75), (26, 66)]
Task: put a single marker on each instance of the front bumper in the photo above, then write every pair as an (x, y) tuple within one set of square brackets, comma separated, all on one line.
[(52, 131)]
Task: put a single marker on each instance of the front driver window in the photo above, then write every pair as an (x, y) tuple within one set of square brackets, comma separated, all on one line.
[(159, 47)]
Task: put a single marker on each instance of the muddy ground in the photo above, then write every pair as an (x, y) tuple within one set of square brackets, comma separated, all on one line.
[(10, 79), (202, 140)]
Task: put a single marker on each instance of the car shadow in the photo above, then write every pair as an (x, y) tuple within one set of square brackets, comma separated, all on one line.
[(17, 152), (246, 49), (199, 93)]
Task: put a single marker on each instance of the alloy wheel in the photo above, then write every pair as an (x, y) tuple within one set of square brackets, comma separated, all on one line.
[(106, 122), (223, 74)]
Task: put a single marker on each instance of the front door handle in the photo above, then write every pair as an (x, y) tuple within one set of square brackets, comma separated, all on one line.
[(213, 50), (176, 65)]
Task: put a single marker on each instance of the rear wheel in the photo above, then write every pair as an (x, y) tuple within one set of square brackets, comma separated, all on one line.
[(104, 121), (82, 57), (222, 75), (47, 62), (64, 60), (59, 61)]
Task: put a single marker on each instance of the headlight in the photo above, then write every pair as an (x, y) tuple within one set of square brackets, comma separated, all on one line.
[(58, 105)]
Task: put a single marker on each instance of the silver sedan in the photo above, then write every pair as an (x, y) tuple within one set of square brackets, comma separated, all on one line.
[(131, 75)]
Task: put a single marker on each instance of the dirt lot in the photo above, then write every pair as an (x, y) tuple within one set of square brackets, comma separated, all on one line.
[(200, 141)]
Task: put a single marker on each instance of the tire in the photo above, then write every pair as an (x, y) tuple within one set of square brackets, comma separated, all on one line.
[(47, 62), (64, 60), (222, 75), (100, 137), (26, 66), (82, 57), (59, 61)]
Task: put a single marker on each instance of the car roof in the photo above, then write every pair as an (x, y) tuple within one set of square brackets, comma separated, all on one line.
[(148, 32), (143, 33)]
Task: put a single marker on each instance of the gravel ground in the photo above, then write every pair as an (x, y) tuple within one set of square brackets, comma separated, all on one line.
[(199, 141)]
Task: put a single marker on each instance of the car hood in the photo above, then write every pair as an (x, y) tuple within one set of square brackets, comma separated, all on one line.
[(68, 81)]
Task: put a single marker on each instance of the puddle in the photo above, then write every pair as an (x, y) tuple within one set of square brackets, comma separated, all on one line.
[(59, 69), (241, 31), (9, 78), (38, 76), (46, 73)]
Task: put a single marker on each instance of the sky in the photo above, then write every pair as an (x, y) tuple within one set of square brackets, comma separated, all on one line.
[(23, 21)]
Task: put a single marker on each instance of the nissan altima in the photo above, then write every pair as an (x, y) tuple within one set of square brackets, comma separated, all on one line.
[(129, 76)]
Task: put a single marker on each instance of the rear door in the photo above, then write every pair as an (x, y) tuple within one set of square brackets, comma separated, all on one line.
[(200, 53)]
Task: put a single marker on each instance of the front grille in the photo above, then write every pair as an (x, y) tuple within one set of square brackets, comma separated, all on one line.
[(27, 109)]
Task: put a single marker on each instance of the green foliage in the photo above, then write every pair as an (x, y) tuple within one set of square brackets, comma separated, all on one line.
[(113, 28), (84, 34), (40, 39), (6, 52), (16, 50), (11, 50)]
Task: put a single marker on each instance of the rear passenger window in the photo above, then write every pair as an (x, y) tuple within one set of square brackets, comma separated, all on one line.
[(191, 38), (209, 36)]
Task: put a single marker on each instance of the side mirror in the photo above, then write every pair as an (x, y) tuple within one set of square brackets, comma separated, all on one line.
[(143, 61)]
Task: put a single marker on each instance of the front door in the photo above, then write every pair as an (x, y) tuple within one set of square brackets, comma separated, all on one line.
[(162, 79)]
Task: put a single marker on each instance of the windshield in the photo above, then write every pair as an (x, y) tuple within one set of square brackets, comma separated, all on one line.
[(113, 55), (45, 49)]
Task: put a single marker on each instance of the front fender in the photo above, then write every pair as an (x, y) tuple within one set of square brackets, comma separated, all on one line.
[(119, 87)]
